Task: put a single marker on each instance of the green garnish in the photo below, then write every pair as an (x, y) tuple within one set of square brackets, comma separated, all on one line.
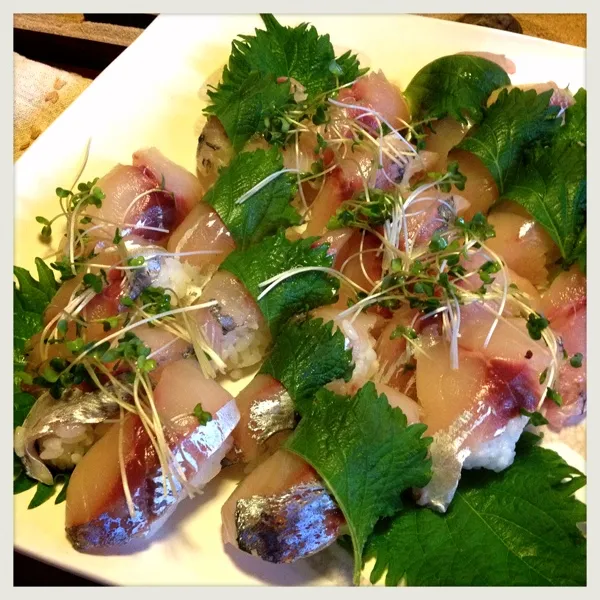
[(307, 355), (202, 416), (88, 194), (30, 300), (535, 325), (93, 281), (437, 243), (551, 185), (574, 131), (136, 261), (299, 293), (457, 85), (516, 119), (535, 418), (110, 323), (478, 227), (365, 453), (266, 210), (554, 396), (155, 300), (487, 269), (502, 529), (405, 332), (255, 95), (75, 346), (62, 496), (362, 211), (576, 360), (129, 348), (63, 266)]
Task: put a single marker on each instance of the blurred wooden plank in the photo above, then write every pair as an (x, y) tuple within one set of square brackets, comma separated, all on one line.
[(60, 25)]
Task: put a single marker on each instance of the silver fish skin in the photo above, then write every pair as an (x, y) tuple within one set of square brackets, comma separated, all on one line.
[(47, 414), (116, 527), (266, 409), (281, 511), (286, 527), (97, 515), (147, 274)]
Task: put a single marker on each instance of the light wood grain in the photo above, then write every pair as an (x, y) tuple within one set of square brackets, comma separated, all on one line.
[(75, 26)]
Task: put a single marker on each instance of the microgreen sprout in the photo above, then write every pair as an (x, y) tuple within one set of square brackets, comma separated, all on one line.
[(403, 331), (576, 360), (535, 418), (203, 416), (535, 325)]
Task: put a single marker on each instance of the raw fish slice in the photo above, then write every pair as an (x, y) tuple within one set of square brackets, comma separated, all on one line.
[(357, 170), (202, 231), (566, 296), (480, 188), (165, 347), (341, 184), (235, 327), (337, 240), (430, 212), (527, 292), (524, 245), (473, 412), (67, 421), (396, 399), (400, 163), (510, 342), (396, 368), (180, 182), (446, 134), (267, 415), (95, 308), (415, 169), (565, 306), (305, 157), (214, 151), (360, 259), (97, 517), (281, 512), (74, 299), (132, 197), (375, 92)]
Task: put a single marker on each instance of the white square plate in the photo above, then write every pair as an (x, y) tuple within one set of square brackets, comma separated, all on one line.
[(150, 96)]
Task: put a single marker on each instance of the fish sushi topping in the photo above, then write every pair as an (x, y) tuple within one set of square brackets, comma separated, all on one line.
[(397, 270)]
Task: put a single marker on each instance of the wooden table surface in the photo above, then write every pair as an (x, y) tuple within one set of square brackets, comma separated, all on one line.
[(54, 38), (87, 43)]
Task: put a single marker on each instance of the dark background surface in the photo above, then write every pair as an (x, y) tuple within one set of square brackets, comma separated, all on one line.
[(30, 572)]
